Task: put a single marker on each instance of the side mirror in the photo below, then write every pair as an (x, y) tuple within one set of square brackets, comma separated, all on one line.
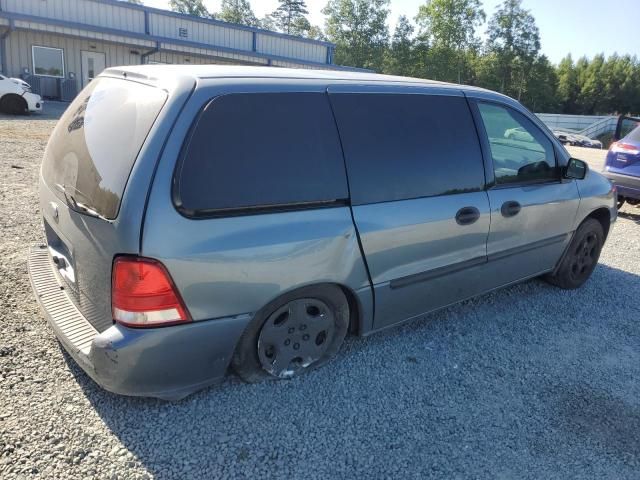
[(576, 169)]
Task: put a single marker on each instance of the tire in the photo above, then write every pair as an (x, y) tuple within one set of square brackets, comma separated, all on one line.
[(581, 256), (298, 332), (13, 105), (621, 201)]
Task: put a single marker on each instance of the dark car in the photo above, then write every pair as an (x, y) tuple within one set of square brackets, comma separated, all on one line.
[(622, 167)]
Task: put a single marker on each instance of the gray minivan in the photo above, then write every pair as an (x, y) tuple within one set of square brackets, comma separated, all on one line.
[(201, 218)]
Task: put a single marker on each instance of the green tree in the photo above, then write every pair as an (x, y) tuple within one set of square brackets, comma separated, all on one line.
[(591, 96), (315, 32), (514, 37), (290, 16), (542, 86), (268, 23), (237, 11), (568, 88), (449, 27), (190, 7), (400, 56), (451, 23), (359, 30)]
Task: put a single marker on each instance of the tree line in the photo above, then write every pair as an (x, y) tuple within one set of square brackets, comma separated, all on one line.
[(442, 42)]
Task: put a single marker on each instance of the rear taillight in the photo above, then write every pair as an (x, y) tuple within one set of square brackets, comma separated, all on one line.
[(143, 294), (620, 147)]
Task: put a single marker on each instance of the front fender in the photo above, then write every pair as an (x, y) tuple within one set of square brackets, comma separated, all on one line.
[(596, 193)]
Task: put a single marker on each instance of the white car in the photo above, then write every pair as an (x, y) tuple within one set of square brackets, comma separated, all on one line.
[(518, 133), (16, 97)]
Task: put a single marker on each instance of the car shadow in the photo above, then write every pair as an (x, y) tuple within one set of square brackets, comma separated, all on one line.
[(235, 427), (52, 110), (629, 214)]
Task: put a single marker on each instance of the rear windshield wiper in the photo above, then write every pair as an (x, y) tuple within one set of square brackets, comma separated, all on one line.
[(78, 206)]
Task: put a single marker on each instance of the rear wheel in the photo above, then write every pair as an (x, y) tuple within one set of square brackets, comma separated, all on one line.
[(620, 202), (13, 105), (298, 332), (581, 257)]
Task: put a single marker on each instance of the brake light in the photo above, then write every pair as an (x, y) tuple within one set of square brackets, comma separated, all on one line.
[(143, 294), (620, 147)]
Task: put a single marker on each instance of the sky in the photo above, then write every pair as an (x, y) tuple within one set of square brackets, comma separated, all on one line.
[(579, 27)]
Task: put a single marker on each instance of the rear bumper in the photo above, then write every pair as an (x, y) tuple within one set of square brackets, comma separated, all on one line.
[(167, 363), (626, 185)]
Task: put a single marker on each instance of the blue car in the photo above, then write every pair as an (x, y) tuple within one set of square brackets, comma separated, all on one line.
[(622, 167)]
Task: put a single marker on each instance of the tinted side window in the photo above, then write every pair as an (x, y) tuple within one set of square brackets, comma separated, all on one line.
[(521, 152), (261, 150), (401, 146)]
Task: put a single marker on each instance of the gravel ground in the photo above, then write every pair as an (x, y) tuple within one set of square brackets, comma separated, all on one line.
[(528, 382)]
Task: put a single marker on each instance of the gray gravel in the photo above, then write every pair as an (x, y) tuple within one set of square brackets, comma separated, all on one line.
[(528, 382)]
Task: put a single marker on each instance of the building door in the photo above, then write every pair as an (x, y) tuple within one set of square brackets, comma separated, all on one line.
[(92, 64)]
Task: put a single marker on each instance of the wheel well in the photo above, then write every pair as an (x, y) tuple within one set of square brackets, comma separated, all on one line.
[(355, 312), (602, 215), (8, 96)]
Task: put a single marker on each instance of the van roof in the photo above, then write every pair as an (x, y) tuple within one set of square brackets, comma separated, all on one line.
[(151, 72)]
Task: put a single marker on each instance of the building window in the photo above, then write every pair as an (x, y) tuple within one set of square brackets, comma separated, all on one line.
[(183, 32), (47, 61)]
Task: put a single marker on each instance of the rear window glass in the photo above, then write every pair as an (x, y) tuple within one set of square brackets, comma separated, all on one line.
[(403, 146), (96, 142), (634, 136), (260, 150)]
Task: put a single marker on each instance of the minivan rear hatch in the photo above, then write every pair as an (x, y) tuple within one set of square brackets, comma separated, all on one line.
[(86, 166)]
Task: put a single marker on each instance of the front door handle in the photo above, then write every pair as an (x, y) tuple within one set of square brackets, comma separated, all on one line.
[(510, 209), (467, 215)]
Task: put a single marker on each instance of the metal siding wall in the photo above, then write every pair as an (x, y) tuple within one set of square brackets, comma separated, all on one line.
[(168, 27), (287, 47), (117, 17), (81, 11), (180, 59), (19, 44), (20, 24), (182, 51)]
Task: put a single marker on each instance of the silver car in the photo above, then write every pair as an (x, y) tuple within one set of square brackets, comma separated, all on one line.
[(199, 219)]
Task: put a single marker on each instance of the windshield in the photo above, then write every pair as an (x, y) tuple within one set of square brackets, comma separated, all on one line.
[(95, 144)]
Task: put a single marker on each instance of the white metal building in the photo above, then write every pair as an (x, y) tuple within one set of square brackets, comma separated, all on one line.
[(58, 46)]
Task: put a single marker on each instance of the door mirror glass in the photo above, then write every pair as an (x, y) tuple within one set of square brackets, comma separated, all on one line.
[(576, 169)]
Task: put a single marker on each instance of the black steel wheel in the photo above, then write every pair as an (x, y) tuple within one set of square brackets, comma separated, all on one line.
[(298, 332), (581, 257)]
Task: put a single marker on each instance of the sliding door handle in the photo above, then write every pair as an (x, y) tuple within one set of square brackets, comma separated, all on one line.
[(510, 208), (467, 215)]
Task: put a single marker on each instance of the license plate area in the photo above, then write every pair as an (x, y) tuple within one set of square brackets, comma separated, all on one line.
[(61, 256)]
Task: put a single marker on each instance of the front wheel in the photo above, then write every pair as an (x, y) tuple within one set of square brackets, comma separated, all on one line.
[(13, 105), (298, 332), (581, 257)]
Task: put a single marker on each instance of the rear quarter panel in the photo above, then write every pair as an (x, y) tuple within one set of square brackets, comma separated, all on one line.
[(235, 265), (93, 242)]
